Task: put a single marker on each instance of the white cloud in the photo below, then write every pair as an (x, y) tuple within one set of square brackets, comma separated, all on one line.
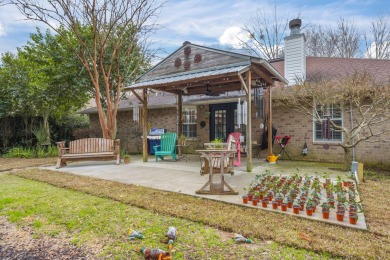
[(233, 36)]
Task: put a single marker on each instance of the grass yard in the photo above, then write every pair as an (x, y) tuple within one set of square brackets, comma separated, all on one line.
[(98, 213), (101, 224)]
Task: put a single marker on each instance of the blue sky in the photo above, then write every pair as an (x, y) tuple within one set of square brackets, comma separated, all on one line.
[(205, 21)]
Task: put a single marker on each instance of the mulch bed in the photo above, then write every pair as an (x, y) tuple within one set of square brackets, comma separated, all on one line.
[(20, 244)]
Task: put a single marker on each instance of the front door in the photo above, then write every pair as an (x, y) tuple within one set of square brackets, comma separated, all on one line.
[(222, 120)]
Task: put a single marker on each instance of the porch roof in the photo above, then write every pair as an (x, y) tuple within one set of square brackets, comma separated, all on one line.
[(195, 70), (231, 69)]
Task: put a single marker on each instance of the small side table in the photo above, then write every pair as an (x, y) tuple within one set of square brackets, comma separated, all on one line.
[(181, 150)]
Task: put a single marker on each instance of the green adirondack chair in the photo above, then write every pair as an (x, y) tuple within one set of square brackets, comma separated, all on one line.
[(167, 146)]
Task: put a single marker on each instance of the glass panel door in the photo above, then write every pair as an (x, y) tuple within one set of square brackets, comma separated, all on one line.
[(220, 124), (222, 120)]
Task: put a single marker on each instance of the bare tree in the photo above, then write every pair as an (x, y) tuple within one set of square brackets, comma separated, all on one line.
[(378, 39), (109, 36), (369, 103), (330, 42), (265, 34)]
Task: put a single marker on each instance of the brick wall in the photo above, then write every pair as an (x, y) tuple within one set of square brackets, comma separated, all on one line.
[(286, 121), (130, 132), (300, 127)]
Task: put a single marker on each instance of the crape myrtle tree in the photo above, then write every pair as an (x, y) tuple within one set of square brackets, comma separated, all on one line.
[(342, 41), (265, 34), (359, 93), (377, 39), (110, 42)]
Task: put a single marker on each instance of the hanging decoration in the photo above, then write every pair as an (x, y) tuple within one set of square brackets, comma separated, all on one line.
[(244, 113), (241, 113), (136, 113), (239, 121), (258, 96)]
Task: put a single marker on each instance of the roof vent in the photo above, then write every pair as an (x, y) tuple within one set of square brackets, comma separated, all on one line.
[(186, 42), (295, 26)]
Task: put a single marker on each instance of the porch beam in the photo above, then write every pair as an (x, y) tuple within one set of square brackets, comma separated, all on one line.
[(145, 125), (243, 82), (269, 118), (179, 114), (138, 97), (249, 122), (262, 74)]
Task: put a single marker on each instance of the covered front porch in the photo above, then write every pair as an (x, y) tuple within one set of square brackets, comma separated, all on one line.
[(202, 72)]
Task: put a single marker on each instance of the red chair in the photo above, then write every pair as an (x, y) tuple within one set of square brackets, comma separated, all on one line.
[(283, 141)]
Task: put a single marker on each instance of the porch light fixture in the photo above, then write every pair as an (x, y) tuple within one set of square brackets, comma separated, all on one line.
[(185, 90)]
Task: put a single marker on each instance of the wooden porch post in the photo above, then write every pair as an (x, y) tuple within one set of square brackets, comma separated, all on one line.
[(269, 119), (249, 123), (179, 114), (145, 125)]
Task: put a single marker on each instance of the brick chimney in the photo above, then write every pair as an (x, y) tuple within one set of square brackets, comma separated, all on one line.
[(294, 54)]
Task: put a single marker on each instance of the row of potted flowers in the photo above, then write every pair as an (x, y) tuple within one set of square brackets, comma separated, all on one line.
[(295, 192)]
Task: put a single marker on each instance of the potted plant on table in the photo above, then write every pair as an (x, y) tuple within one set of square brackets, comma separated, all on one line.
[(217, 143)]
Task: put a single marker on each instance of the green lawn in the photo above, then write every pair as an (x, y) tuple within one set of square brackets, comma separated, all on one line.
[(98, 213), (102, 224)]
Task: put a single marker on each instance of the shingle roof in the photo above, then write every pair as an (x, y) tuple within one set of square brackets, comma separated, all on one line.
[(380, 69), (154, 101)]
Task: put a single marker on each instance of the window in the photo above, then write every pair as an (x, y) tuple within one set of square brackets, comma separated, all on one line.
[(189, 122), (335, 114)]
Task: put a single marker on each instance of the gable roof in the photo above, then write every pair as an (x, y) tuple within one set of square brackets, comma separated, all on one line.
[(160, 69), (198, 69), (336, 67)]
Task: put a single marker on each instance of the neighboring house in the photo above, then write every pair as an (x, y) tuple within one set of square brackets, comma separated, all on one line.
[(206, 117)]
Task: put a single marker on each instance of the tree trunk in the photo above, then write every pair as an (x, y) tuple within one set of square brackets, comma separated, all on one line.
[(347, 158), (46, 126)]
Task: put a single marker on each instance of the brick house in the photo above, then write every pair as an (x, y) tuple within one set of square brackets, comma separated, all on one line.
[(203, 114)]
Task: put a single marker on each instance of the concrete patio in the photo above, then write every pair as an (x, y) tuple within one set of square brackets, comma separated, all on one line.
[(184, 177)]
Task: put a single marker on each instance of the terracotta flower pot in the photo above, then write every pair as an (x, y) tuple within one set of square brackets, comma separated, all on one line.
[(296, 209), (289, 204), (345, 183), (126, 160), (284, 206), (245, 200), (264, 203), (309, 211), (275, 205), (325, 214), (250, 197), (340, 216), (254, 202), (353, 219)]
